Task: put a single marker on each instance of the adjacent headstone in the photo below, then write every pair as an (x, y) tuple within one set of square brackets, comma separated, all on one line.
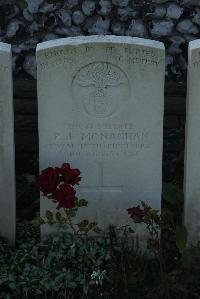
[(192, 145), (101, 109), (7, 168)]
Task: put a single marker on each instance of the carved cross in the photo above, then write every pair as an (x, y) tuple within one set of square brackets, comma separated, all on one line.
[(101, 187)]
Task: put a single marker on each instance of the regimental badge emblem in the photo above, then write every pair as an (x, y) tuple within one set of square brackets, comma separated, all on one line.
[(101, 89)]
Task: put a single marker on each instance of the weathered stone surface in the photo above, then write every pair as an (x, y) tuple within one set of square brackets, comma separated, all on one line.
[(160, 1), (15, 11), (196, 18), (7, 167), (105, 7), (88, 7), (14, 59), (78, 17), (20, 19), (186, 26), (162, 28), (27, 15), (50, 36), (175, 69), (137, 28), (158, 12), (49, 7), (189, 37), (101, 26), (69, 4), (30, 43), (110, 108), (30, 65), (182, 62), (192, 165), (71, 31), (12, 28), (33, 5), (175, 47), (190, 2), (121, 3), (51, 21), (65, 17), (34, 27), (169, 59), (118, 28), (174, 11), (126, 13)]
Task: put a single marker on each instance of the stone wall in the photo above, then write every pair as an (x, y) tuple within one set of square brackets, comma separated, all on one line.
[(24, 23)]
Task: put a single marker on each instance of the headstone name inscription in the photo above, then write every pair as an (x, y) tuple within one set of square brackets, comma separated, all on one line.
[(7, 171), (101, 109)]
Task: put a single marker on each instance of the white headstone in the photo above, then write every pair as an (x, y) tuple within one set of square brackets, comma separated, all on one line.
[(7, 168), (192, 145), (101, 109)]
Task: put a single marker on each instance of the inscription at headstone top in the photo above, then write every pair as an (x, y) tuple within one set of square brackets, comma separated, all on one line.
[(101, 104), (192, 145), (7, 171)]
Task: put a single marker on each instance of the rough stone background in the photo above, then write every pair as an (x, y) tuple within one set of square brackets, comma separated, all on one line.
[(24, 23)]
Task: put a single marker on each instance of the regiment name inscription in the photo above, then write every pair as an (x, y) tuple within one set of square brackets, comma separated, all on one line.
[(101, 143)]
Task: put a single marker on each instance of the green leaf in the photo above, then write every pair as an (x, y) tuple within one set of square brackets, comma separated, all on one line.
[(82, 202), (185, 259), (97, 230), (83, 225), (71, 212), (60, 218), (181, 238), (172, 193), (38, 221), (49, 215), (92, 225)]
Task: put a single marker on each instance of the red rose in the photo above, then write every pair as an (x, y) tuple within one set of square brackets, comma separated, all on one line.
[(70, 176), (48, 181), (136, 213), (65, 196)]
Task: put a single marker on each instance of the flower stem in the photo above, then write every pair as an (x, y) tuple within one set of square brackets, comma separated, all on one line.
[(79, 237)]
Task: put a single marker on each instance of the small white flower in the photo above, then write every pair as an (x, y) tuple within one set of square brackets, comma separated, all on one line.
[(98, 276)]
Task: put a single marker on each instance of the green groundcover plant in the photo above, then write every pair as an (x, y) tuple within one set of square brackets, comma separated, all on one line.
[(81, 261)]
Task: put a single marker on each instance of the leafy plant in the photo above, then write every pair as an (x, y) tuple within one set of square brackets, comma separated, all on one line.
[(75, 264), (58, 184)]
